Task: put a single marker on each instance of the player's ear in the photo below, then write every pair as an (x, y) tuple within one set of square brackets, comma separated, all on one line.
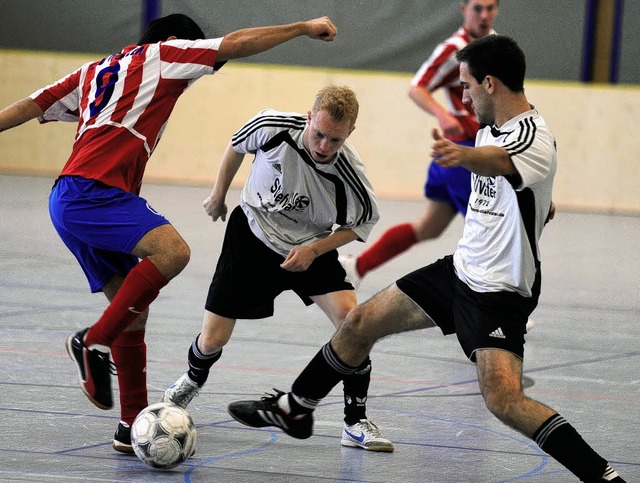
[(173, 37), (489, 81)]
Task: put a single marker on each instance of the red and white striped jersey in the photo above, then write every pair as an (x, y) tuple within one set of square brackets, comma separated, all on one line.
[(122, 104), (442, 70)]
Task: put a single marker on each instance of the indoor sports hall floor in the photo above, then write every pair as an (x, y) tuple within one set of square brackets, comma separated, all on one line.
[(582, 358)]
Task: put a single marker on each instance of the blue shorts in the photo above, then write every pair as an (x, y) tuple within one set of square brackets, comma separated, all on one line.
[(451, 185), (100, 224)]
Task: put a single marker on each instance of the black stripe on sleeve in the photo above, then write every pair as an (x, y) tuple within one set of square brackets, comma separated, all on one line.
[(355, 183), (289, 122), (526, 136)]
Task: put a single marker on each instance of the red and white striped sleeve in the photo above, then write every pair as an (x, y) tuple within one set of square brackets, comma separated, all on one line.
[(438, 69), (60, 100), (188, 59)]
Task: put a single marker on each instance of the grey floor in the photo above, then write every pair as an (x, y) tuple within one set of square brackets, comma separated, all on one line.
[(582, 358)]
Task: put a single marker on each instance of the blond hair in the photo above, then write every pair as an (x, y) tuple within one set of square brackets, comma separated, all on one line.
[(339, 102)]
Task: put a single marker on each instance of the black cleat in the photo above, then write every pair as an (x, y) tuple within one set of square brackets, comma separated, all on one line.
[(122, 439), (266, 412), (94, 369)]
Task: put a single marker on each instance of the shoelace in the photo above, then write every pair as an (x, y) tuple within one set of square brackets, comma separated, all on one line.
[(371, 428), (182, 396), (272, 398)]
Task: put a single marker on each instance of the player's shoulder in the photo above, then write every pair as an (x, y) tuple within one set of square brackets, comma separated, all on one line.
[(195, 44), (272, 118), (458, 40), (269, 122), (270, 112), (533, 120), (349, 154)]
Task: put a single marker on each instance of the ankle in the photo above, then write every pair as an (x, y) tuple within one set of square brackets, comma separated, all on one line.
[(288, 405)]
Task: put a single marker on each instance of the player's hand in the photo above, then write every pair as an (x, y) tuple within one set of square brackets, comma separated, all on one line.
[(215, 208), (451, 127), (298, 259), (321, 29), (446, 153)]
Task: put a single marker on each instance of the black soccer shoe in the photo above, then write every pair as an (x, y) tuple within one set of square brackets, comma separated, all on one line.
[(617, 479), (266, 412), (94, 370), (122, 439)]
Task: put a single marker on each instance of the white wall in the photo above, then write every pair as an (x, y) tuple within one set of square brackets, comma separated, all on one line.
[(598, 152)]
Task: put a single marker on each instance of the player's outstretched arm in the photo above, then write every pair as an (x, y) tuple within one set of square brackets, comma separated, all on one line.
[(251, 41), (427, 102), (19, 112), (483, 160), (215, 204)]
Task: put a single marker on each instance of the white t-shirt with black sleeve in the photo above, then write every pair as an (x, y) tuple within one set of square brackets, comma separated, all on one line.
[(499, 248), (291, 200)]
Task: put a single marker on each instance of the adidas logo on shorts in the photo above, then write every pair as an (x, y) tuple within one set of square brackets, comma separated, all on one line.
[(498, 333)]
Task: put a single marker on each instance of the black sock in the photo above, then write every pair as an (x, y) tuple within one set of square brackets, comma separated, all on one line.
[(356, 388), (317, 380), (199, 363), (560, 440)]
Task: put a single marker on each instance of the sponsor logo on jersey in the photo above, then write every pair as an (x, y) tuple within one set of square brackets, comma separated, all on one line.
[(288, 201), (485, 186)]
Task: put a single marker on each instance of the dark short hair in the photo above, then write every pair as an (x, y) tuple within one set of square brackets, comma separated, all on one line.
[(466, 2), (176, 24), (498, 56)]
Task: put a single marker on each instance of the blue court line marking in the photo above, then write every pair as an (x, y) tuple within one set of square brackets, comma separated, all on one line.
[(273, 437), (526, 442)]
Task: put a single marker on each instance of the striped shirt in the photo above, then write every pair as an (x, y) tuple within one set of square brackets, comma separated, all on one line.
[(499, 248), (291, 200), (442, 70), (122, 104)]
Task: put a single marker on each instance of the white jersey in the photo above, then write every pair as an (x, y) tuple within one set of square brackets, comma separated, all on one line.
[(291, 200), (499, 248)]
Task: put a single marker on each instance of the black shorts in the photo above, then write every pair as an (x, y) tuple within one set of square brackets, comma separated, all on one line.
[(248, 276), (481, 320)]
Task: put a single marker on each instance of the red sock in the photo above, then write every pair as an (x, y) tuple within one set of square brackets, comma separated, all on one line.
[(394, 241), (129, 353), (140, 287)]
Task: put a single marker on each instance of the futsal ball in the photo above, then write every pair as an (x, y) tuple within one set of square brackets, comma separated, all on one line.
[(163, 435)]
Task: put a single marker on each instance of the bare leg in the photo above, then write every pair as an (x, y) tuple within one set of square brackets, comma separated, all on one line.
[(436, 217), (500, 377), (165, 248), (388, 312)]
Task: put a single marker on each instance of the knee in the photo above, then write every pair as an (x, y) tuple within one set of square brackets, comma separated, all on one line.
[(355, 327), (501, 404), (181, 254)]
